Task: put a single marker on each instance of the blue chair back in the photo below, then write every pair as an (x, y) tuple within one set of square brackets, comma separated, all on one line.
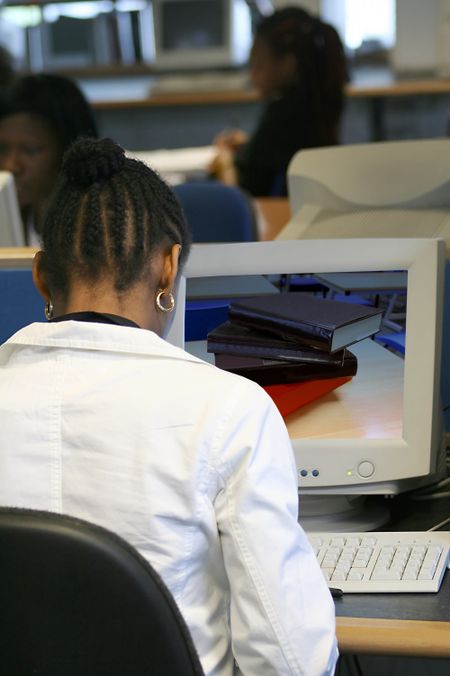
[(217, 212), (20, 302)]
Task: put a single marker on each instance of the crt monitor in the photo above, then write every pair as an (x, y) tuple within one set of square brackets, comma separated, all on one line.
[(11, 229), (382, 432), (201, 34), (65, 39), (388, 189)]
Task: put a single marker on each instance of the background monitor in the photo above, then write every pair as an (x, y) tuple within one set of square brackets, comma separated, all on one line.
[(199, 34), (64, 40), (389, 189), (381, 433), (11, 229)]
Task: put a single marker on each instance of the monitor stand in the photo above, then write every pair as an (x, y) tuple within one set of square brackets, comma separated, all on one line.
[(341, 513)]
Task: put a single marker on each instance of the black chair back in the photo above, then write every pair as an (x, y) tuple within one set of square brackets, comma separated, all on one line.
[(77, 600)]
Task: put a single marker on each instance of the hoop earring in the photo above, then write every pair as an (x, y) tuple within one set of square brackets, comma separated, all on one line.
[(48, 310), (162, 307)]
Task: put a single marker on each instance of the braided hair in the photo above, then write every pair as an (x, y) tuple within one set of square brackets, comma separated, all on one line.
[(321, 63), (108, 214)]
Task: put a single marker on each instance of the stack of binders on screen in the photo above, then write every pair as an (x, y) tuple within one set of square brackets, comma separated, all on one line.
[(292, 344)]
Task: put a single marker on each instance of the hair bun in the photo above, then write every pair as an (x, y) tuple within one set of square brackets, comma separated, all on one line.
[(89, 161)]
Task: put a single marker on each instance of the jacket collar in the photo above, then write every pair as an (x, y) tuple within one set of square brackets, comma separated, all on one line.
[(103, 337)]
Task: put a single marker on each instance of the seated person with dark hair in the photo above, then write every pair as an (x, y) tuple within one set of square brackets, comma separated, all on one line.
[(103, 419), (40, 116), (298, 65)]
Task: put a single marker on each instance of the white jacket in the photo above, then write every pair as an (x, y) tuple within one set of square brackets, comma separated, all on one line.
[(190, 464)]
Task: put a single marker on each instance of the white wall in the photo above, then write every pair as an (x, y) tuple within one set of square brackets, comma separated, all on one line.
[(333, 11), (423, 32), (312, 6), (416, 46)]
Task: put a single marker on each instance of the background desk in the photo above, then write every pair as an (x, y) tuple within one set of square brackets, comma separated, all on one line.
[(378, 107)]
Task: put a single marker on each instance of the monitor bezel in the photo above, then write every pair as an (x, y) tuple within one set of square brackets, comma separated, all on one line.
[(416, 452), (227, 55), (12, 231)]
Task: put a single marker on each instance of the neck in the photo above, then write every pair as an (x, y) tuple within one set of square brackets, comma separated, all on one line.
[(136, 304)]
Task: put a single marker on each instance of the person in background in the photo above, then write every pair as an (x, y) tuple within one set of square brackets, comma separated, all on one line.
[(103, 419), (6, 67), (298, 65), (40, 116)]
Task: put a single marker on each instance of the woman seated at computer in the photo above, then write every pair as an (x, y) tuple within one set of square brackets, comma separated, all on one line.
[(40, 116), (103, 419), (297, 63)]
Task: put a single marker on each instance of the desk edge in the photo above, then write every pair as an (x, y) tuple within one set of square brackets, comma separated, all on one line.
[(415, 638)]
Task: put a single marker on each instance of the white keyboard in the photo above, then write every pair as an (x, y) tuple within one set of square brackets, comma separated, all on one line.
[(382, 561)]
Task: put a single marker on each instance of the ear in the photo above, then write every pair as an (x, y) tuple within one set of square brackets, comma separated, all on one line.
[(170, 267), (39, 276)]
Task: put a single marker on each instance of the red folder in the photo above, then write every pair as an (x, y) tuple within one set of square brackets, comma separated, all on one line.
[(292, 396)]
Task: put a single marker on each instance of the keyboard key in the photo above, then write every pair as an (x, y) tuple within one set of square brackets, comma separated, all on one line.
[(368, 541), (386, 574)]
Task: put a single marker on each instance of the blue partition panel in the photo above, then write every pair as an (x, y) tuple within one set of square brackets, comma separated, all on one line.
[(20, 303)]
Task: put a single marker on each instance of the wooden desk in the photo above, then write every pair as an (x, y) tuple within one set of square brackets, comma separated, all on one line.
[(272, 214), (388, 87), (369, 406), (409, 638), (17, 257), (121, 92), (416, 625), (132, 111)]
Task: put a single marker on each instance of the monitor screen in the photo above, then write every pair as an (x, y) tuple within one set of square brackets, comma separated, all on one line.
[(70, 35), (382, 431), (64, 40), (11, 229), (201, 34), (193, 25)]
